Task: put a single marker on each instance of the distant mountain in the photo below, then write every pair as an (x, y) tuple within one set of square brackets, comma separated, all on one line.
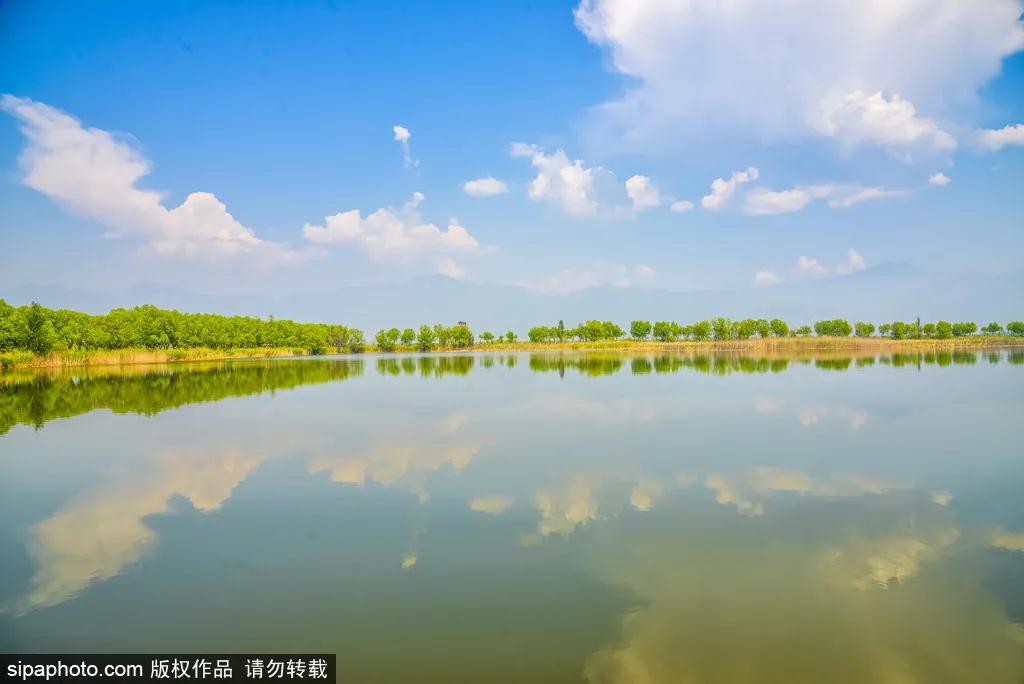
[(882, 293)]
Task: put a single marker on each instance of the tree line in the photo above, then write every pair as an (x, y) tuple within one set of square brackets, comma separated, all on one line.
[(751, 328), (41, 330)]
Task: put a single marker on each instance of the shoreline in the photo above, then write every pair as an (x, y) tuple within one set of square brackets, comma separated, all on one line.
[(852, 346)]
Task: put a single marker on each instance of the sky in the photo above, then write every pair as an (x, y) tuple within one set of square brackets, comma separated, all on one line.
[(303, 147)]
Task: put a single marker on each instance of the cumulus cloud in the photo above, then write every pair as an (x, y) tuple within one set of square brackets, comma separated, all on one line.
[(402, 137), (828, 69), (999, 138), (809, 266), (597, 274), (641, 193), (722, 190), (397, 235), (939, 179), (682, 206), (94, 173), (485, 187), (577, 190), (767, 278), (854, 262), (859, 117), (764, 202)]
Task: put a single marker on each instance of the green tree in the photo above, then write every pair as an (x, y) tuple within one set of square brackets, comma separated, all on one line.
[(721, 329), (863, 329), (779, 327), (640, 330), (510, 336), (943, 330), (701, 330), (426, 339), (1015, 328), (356, 341), (965, 328), (408, 336), (664, 331), (42, 338), (487, 336), (387, 340), (460, 336), (992, 328), (802, 331)]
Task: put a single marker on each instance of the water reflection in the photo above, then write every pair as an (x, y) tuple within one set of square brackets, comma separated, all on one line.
[(761, 519), (36, 397)]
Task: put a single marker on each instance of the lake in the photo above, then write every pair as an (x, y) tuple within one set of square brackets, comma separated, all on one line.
[(527, 517)]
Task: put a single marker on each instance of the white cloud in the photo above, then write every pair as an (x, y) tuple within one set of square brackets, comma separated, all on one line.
[(811, 266), (762, 202), (999, 138), (854, 262), (402, 137), (939, 179), (641, 193), (450, 268), (95, 174), (485, 187), (397, 235), (767, 278), (568, 184), (859, 117), (597, 274), (723, 190), (682, 206), (799, 69)]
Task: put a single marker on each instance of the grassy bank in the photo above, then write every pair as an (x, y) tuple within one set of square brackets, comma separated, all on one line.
[(829, 346), (769, 346), (123, 357)]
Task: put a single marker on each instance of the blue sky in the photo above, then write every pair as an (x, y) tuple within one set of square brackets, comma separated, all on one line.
[(833, 121)]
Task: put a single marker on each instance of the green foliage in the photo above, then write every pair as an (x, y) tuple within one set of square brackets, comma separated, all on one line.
[(640, 330), (701, 330), (964, 329), (665, 331), (1015, 328), (836, 327), (992, 328), (408, 336), (426, 339), (510, 336), (487, 336), (460, 336), (862, 329), (779, 327), (356, 341), (41, 330), (802, 331), (943, 330), (721, 329), (387, 340)]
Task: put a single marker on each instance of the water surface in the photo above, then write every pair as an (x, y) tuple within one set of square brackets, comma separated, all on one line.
[(501, 517)]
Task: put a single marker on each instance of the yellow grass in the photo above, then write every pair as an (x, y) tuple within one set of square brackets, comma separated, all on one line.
[(124, 357), (786, 346)]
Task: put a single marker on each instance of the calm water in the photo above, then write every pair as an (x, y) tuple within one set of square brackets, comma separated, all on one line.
[(527, 518)]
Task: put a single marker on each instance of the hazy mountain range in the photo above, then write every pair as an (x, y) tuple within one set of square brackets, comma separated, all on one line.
[(882, 293)]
